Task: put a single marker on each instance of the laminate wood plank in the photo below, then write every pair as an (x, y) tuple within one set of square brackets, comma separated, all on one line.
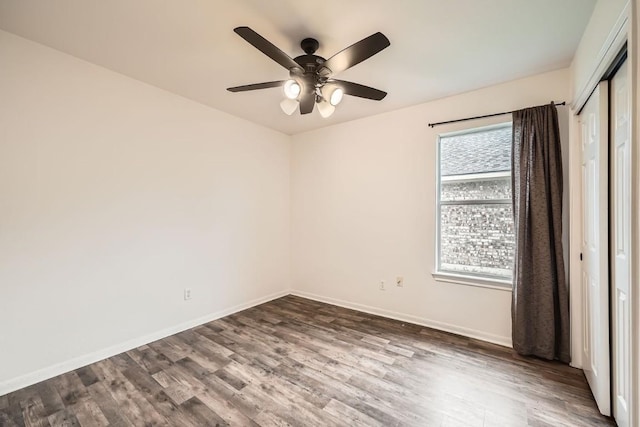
[(325, 344), (246, 318), (70, 388), (180, 348), (89, 414), (227, 410), (381, 342), (451, 421), (168, 350), (190, 368), (404, 399), (230, 379), (351, 415), (246, 335), (294, 373), (142, 381), (129, 398), (6, 421), (208, 332), (199, 414), (254, 398), (251, 400), (14, 407), (50, 397), (324, 341), (373, 347), (4, 402), (174, 414), (474, 382), (300, 339), (203, 347), (249, 349), (292, 408), (87, 376), (325, 388), (266, 418), (33, 413), (249, 373), (298, 389), (149, 359), (501, 418), (217, 395), (306, 357), (411, 408), (456, 408), (155, 394), (162, 378), (356, 346), (178, 392), (296, 362), (107, 404), (248, 403), (64, 418), (274, 320)]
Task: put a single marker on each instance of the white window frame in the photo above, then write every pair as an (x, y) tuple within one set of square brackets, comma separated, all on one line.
[(471, 279)]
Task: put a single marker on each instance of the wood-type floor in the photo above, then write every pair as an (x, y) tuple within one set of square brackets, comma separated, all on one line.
[(297, 362)]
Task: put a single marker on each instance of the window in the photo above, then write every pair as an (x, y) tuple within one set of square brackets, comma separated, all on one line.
[(475, 230)]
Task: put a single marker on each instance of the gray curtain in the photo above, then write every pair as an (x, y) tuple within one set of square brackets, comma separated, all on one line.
[(540, 304)]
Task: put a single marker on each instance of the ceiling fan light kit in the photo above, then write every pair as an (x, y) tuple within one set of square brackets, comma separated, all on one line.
[(325, 109), (289, 106), (311, 77), (336, 96), (292, 89)]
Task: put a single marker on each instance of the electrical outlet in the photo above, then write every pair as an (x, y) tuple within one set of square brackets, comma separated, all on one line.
[(399, 281), (382, 285), (187, 294)]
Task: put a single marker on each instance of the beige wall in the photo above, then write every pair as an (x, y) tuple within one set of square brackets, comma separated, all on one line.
[(114, 197), (363, 197)]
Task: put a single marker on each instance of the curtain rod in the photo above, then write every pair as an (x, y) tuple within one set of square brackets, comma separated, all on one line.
[(480, 117)]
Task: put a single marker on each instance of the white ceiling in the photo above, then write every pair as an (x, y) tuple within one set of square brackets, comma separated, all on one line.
[(438, 47)]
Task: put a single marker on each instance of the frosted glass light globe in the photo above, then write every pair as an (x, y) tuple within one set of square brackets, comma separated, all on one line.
[(292, 89)]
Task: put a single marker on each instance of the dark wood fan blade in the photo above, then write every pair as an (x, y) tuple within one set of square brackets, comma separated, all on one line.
[(362, 91), (357, 52), (307, 102), (266, 47), (255, 86)]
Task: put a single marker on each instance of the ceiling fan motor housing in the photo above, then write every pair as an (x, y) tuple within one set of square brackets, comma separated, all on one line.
[(309, 45)]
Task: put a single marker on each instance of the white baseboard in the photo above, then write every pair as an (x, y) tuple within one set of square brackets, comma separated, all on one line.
[(459, 330), (78, 362)]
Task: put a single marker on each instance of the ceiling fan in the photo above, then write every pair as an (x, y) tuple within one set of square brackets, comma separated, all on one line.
[(311, 79)]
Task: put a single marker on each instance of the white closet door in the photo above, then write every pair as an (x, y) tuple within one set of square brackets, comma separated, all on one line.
[(620, 244), (595, 275)]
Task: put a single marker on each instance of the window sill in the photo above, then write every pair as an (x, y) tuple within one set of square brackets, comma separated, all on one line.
[(461, 279)]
